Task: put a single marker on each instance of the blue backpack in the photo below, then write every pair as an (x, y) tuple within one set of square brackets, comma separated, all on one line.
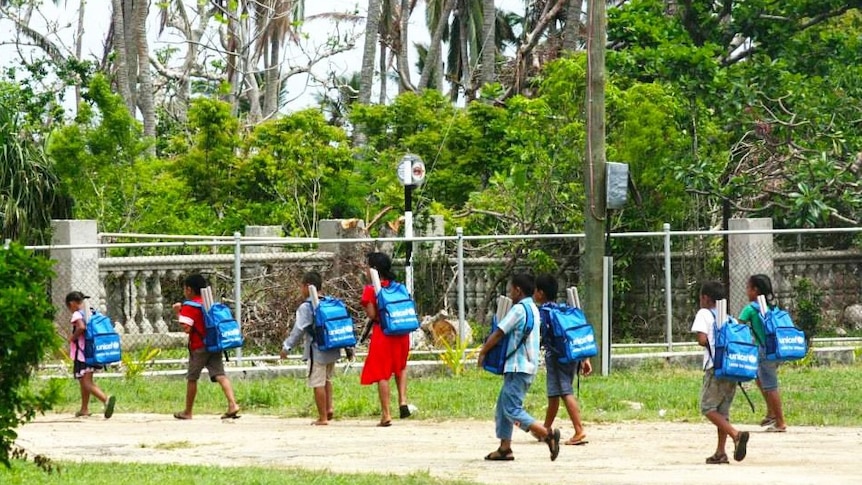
[(222, 330), (396, 310), (101, 341), (333, 326), (784, 342), (495, 359), (567, 334), (736, 353)]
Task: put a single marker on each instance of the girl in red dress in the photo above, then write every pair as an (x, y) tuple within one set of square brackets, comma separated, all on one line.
[(387, 355)]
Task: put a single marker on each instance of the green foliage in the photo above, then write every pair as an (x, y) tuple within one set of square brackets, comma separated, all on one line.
[(135, 364), (456, 354), (27, 335), (809, 307)]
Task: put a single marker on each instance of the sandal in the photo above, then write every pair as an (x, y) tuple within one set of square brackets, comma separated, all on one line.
[(553, 441), (500, 455), (767, 421), (739, 446), (182, 416), (231, 415), (775, 429), (577, 440), (384, 424), (79, 414), (717, 459)]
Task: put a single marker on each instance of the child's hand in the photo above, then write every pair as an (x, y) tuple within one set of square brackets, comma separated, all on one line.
[(176, 306), (587, 367)]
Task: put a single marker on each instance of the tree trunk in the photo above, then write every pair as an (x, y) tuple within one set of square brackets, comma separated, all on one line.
[(464, 49), (403, 61), (145, 80), (273, 86), (573, 25), (128, 34), (372, 26), (383, 72), (121, 58), (488, 45), (433, 56), (79, 38)]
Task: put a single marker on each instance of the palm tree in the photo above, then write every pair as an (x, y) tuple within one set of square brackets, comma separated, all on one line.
[(369, 50), (27, 183), (274, 23)]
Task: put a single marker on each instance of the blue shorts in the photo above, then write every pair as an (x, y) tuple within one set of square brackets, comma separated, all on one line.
[(767, 372), (560, 377)]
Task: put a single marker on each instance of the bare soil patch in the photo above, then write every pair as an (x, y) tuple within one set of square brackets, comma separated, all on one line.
[(618, 453)]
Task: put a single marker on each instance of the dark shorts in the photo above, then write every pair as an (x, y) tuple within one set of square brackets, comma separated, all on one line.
[(560, 377), (200, 358), (716, 394), (80, 368)]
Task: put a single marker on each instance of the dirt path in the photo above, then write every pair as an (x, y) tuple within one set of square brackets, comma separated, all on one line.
[(620, 453)]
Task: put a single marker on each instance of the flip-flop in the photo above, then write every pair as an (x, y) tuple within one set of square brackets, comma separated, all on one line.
[(109, 406), (320, 423), (501, 455), (767, 421), (79, 414), (182, 416), (739, 446), (329, 416), (576, 441), (384, 424), (717, 460), (775, 429), (231, 415)]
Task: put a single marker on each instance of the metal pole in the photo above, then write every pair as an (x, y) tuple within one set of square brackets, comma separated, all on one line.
[(607, 281), (408, 235), (668, 297), (237, 287), (459, 231)]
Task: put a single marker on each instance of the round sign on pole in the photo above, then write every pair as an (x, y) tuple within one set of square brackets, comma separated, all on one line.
[(411, 170)]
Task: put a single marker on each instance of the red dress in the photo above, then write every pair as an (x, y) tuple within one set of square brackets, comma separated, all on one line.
[(387, 355)]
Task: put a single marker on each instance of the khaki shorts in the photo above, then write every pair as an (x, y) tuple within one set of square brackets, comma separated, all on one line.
[(320, 374), (200, 358), (716, 394)]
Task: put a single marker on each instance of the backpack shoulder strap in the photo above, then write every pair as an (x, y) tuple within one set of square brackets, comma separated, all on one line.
[(528, 327)]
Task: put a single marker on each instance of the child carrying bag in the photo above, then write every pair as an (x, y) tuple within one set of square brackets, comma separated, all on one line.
[(495, 360), (333, 326), (784, 342), (101, 341), (396, 309), (222, 330)]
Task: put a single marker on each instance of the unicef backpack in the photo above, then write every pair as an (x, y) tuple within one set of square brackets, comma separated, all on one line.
[(101, 341), (568, 334), (222, 330), (735, 356), (784, 342), (396, 310), (333, 326), (495, 360)]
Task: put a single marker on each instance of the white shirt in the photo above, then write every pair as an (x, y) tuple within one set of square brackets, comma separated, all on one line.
[(526, 358), (704, 323)]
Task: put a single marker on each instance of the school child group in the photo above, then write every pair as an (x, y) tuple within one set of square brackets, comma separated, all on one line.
[(387, 357)]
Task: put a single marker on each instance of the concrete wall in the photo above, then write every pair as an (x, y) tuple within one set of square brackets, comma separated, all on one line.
[(749, 254)]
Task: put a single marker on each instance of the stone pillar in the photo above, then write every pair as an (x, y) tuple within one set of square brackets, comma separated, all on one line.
[(749, 254), (76, 269), (434, 227), (340, 229), (262, 231)]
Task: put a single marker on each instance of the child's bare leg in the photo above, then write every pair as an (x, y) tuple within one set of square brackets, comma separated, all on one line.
[(773, 402), (320, 403), (575, 415), (401, 383), (85, 396), (330, 409), (383, 394), (93, 388), (191, 393), (725, 429), (551, 412), (224, 382)]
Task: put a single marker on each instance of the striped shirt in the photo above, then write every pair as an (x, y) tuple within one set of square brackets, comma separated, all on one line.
[(526, 358)]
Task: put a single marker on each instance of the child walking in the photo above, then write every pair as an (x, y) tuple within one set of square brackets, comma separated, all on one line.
[(560, 376), (322, 361), (716, 395), (192, 320), (387, 354), (519, 371), (83, 372), (767, 370)]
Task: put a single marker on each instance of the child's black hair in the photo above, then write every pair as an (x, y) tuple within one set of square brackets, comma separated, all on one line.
[(763, 285), (196, 282), (547, 284), (525, 282), (713, 289), (313, 278), (382, 264), (75, 296)]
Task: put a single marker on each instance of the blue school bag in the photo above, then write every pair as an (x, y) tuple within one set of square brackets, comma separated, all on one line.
[(396, 310), (101, 341), (222, 329), (784, 342), (333, 326), (568, 334), (495, 359), (736, 353)]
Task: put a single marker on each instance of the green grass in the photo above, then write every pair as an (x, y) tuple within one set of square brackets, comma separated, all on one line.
[(811, 396), (24, 473)]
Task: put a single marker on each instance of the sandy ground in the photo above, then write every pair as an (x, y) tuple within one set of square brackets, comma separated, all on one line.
[(619, 453)]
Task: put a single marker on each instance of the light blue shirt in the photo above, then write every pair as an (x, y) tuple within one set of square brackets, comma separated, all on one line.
[(526, 357), (302, 328)]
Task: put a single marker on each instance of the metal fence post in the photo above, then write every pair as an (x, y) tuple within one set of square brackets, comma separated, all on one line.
[(668, 298), (237, 287), (459, 231)]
